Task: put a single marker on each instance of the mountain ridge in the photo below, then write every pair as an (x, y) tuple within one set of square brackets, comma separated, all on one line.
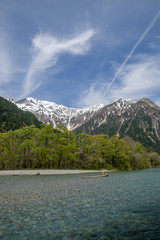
[(140, 120), (50, 112)]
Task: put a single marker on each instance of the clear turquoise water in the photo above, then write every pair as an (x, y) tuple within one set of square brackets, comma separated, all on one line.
[(126, 205)]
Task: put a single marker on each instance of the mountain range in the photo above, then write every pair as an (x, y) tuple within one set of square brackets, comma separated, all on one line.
[(49, 112), (137, 119)]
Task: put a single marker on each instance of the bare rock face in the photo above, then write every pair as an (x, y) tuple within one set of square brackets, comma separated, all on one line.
[(139, 120)]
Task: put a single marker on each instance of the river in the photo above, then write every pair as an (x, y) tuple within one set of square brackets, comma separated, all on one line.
[(125, 205)]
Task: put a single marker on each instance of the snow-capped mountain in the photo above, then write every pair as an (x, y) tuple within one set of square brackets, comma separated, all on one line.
[(140, 120), (49, 112), (116, 108), (119, 106)]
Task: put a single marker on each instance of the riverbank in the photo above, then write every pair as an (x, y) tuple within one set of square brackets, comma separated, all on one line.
[(46, 172)]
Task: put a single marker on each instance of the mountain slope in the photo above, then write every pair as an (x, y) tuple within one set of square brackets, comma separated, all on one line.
[(109, 114), (11, 117), (49, 112), (139, 120)]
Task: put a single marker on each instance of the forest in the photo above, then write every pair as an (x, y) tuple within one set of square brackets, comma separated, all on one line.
[(49, 148)]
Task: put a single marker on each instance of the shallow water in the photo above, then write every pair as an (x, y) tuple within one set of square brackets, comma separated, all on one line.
[(126, 205)]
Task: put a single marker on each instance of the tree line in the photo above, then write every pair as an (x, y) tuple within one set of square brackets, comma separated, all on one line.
[(48, 148)]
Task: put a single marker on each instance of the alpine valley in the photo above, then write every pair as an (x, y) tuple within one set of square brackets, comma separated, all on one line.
[(139, 120)]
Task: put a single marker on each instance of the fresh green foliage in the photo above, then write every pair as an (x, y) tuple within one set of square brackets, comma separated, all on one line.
[(45, 147), (11, 117)]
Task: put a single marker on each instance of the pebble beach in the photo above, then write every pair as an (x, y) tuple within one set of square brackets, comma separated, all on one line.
[(44, 172)]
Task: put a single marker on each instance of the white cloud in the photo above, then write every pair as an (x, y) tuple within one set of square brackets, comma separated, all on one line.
[(157, 102), (93, 95), (137, 80), (46, 51), (154, 46), (9, 66), (149, 27), (6, 64), (5, 67)]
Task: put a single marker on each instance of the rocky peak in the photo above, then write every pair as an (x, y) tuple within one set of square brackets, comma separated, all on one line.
[(149, 102), (119, 106)]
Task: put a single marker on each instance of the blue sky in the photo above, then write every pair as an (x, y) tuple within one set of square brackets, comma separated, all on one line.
[(78, 53)]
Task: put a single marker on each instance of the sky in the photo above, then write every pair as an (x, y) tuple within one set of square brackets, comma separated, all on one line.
[(80, 52)]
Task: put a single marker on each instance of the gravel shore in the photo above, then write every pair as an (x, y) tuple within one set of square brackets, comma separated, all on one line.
[(44, 172)]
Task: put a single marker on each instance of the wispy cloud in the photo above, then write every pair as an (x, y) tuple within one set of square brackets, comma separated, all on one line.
[(154, 46), (157, 102), (9, 66), (46, 51), (149, 27), (137, 80), (6, 64), (92, 95)]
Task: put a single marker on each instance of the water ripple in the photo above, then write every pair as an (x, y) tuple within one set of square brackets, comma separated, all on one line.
[(124, 206)]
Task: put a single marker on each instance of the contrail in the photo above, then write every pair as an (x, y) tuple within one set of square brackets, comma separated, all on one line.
[(154, 20)]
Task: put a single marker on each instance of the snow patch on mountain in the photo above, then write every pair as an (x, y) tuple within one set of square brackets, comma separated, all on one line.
[(50, 112), (123, 103)]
